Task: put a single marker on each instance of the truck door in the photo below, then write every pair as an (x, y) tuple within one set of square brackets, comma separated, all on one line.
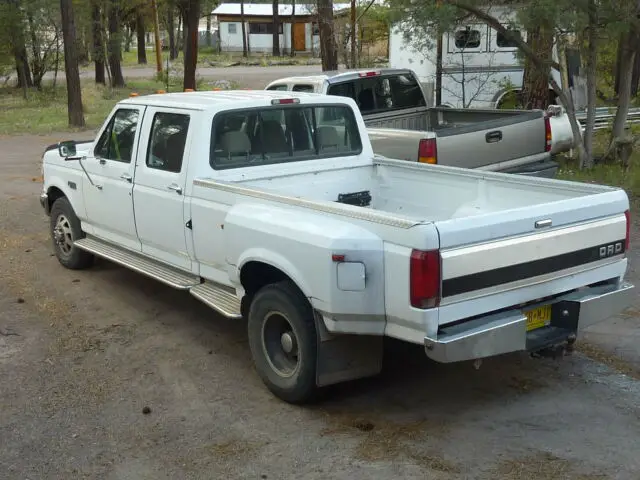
[(108, 186), (158, 200)]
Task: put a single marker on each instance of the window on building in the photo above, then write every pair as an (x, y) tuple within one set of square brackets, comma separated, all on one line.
[(168, 138), (502, 41), (467, 38), (315, 29), (263, 28), (231, 28)]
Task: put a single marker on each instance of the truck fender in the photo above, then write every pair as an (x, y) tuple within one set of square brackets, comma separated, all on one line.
[(55, 188)]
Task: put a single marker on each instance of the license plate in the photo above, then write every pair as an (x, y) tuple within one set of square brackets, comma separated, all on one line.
[(538, 317)]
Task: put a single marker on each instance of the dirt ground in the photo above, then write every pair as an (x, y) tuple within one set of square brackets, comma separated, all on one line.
[(82, 353)]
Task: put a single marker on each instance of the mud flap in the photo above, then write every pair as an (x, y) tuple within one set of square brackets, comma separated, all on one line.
[(345, 357)]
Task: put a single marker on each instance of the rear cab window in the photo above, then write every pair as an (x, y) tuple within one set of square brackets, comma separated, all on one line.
[(381, 93), (283, 134)]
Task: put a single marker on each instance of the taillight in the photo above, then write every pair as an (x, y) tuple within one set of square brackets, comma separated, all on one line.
[(428, 151), (547, 134), (424, 278), (627, 240)]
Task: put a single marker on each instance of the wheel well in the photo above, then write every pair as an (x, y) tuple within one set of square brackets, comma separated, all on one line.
[(53, 194), (255, 275)]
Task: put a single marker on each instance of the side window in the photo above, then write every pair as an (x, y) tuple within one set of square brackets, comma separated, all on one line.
[(302, 88), (116, 142), (467, 38), (278, 87), (168, 138), (502, 41), (231, 28)]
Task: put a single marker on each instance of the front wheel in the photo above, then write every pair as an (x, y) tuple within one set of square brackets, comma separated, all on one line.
[(283, 341), (65, 230)]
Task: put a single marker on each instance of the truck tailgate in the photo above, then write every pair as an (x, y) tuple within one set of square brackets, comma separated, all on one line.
[(492, 142), (510, 249)]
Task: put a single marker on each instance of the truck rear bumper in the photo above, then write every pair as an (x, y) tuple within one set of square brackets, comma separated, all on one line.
[(507, 331)]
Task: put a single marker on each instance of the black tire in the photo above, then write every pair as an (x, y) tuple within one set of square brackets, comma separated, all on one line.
[(65, 229), (282, 307)]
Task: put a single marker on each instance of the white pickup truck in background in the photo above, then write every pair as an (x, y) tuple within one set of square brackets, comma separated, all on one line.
[(272, 207), (402, 126)]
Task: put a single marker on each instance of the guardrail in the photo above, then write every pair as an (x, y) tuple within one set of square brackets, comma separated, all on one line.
[(605, 117)]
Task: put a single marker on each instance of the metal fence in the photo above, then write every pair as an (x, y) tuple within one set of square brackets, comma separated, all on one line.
[(605, 116)]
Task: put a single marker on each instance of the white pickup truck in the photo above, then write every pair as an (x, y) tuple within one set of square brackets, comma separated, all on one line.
[(264, 210)]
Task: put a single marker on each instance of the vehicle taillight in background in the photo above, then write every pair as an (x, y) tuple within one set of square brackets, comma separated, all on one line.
[(424, 278), (368, 74), (547, 134), (428, 151), (627, 240), (284, 101)]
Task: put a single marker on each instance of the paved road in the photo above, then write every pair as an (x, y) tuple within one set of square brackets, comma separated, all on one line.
[(81, 354), (253, 77)]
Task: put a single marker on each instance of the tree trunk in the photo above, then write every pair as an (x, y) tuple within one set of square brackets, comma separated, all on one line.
[(328, 50), (185, 31), (173, 50), (628, 58), (23, 69), (293, 25), (353, 59), (192, 18), (275, 49), (128, 37), (535, 82), (208, 36), (74, 93), (115, 44), (98, 42), (592, 58), (142, 47), (245, 47)]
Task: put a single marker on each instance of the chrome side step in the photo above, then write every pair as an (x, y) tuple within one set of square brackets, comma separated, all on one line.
[(218, 297), (138, 263)]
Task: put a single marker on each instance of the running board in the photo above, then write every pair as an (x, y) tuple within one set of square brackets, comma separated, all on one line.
[(138, 263), (219, 298)]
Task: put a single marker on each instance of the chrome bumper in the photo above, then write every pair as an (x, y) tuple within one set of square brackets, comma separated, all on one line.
[(44, 202), (507, 331)]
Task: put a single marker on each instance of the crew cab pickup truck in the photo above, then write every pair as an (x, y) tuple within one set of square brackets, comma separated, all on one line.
[(400, 126), (272, 207)]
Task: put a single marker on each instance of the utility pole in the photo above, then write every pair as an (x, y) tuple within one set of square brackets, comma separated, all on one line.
[(156, 32)]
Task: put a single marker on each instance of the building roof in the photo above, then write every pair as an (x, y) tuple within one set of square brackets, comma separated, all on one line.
[(266, 9)]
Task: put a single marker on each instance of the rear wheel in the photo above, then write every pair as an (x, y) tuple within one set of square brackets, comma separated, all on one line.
[(65, 230), (283, 341)]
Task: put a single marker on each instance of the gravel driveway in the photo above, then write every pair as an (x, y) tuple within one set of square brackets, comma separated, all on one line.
[(83, 353)]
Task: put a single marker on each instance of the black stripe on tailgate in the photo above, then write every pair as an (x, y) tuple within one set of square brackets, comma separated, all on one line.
[(534, 268)]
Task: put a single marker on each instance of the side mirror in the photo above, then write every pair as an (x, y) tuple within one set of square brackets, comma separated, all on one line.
[(67, 149)]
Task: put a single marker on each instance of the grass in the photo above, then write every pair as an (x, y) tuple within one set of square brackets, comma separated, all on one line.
[(606, 174), (45, 111)]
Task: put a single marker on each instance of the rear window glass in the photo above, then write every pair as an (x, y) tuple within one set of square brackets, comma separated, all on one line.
[(263, 136), (380, 94)]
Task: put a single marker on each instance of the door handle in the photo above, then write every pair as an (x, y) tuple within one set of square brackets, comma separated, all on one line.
[(127, 177), (175, 188), (492, 137)]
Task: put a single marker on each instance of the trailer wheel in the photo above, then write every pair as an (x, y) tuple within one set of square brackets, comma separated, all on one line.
[(283, 341)]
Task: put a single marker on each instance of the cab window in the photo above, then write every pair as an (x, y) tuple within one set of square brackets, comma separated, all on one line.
[(117, 141), (262, 136), (167, 141)]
